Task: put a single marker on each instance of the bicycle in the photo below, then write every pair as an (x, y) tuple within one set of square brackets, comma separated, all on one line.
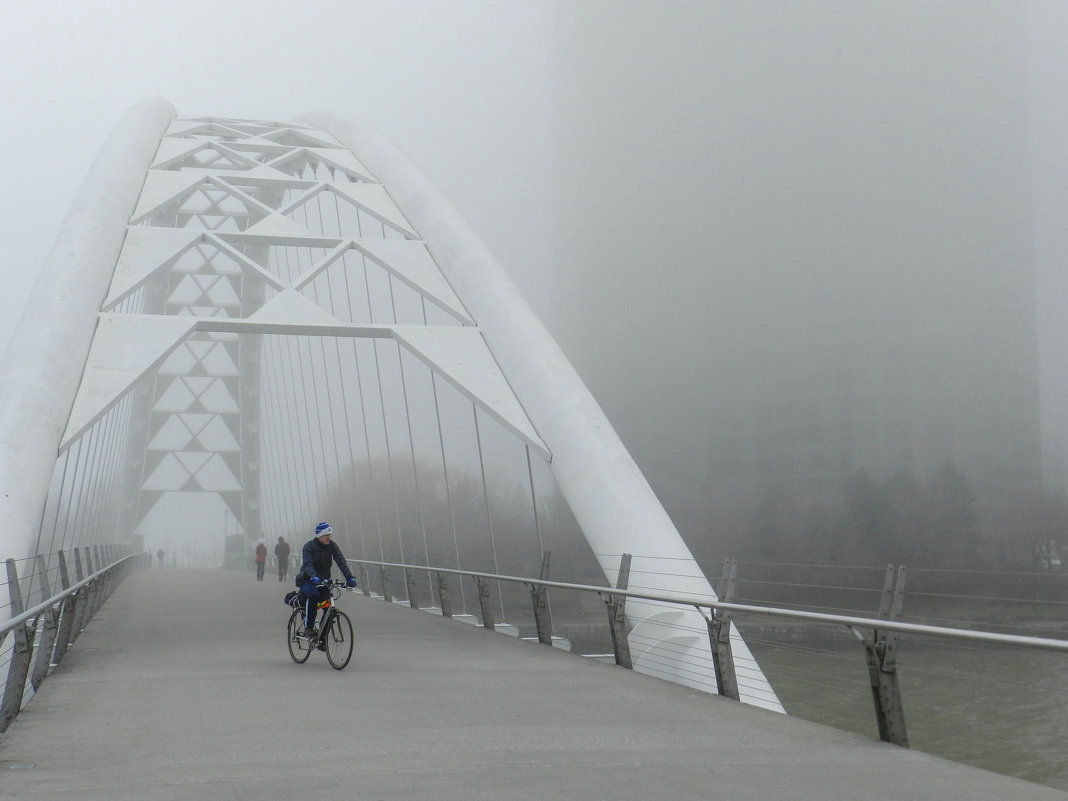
[(333, 635)]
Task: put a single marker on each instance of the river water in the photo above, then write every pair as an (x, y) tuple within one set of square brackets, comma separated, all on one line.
[(1002, 709)]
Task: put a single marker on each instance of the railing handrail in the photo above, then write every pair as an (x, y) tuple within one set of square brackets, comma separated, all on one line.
[(700, 602), (33, 612)]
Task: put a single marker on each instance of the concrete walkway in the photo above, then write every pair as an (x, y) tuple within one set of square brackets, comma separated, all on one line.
[(182, 688)]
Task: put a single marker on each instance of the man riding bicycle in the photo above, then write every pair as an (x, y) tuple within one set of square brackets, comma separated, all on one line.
[(314, 573)]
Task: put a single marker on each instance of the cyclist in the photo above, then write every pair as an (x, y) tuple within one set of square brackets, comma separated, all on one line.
[(316, 556)]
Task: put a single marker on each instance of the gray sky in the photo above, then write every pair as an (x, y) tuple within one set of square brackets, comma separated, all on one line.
[(462, 87)]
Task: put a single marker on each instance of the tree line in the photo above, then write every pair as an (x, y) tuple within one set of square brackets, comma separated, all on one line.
[(937, 524)]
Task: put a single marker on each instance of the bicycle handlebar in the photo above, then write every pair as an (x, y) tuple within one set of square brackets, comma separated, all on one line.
[(333, 584)]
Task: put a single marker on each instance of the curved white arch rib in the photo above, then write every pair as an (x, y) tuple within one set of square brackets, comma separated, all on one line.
[(42, 366), (613, 503)]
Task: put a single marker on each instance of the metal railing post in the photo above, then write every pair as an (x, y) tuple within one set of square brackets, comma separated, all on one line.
[(539, 596), (49, 629), (106, 581), (20, 657), (484, 602), (362, 568), (68, 612), (881, 651), (443, 593), (719, 635), (617, 621), (385, 584), (90, 590), (409, 583), (84, 598)]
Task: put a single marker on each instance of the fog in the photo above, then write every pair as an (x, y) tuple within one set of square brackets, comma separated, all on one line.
[(782, 243), (801, 240)]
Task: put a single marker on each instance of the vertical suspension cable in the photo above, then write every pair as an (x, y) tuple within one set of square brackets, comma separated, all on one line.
[(367, 446), (408, 421), (285, 378), (389, 450), (319, 422), (359, 389), (86, 479), (295, 401), (415, 469), (284, 383), (385, 426), (330, 406), (363, 408), (44, 511), (103, 516), (84, 475), (294, 498), (275, 476), (448, 491), (64, 543), (345, 402), (312, 388), (288, 345), (115, 469), (278, 386), (485, 495), (534, 502), (98, 496)]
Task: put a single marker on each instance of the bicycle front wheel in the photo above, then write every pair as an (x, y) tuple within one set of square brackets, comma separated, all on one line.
[(339, 641), (299, 647)]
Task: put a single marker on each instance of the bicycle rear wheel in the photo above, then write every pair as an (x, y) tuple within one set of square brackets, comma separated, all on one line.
[(339, 641), (299, 647)]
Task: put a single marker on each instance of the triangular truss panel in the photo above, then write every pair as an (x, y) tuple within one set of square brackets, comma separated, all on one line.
[(283, 227)]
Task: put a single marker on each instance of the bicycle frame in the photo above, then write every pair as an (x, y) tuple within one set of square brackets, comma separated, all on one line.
[(325, 638)]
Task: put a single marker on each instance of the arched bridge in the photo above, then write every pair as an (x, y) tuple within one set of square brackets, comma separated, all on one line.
[(248, 326)]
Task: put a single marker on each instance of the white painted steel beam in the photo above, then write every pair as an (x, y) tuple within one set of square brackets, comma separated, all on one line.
[(128, 347)]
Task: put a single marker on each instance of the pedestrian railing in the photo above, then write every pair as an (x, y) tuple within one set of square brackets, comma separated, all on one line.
[(876, 634), (42, 633)]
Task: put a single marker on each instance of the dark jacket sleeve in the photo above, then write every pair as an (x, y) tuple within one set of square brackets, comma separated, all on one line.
[(307, 566), (339, 558)]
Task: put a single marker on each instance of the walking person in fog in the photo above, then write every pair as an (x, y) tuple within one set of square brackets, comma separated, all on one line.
[(261, 559), (281, 553)]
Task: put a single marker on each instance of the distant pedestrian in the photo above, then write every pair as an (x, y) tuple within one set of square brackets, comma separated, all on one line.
[(261, 559), (281, 553), (159, 555)]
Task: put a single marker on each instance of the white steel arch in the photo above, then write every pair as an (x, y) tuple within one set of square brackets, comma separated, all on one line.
[(227, 255)]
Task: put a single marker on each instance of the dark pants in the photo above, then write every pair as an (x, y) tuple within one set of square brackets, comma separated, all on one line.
[(259, 570), (311, 606), (283, 568)]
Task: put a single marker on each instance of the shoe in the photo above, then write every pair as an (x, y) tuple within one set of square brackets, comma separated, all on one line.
[(309, 632), (322, 645)]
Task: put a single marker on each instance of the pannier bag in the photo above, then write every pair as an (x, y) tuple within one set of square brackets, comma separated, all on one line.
[(294, 598)]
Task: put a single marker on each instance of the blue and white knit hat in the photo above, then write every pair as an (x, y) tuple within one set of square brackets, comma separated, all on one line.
[(323, 529)]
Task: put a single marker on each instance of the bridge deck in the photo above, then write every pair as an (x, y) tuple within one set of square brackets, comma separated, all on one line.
[(182, 688)]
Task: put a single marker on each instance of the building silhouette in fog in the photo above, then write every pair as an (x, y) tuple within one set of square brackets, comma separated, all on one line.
[(806, 238)]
